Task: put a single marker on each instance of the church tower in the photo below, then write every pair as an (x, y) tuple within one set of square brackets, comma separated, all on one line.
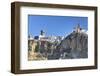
[(42, 33), (78, 28)]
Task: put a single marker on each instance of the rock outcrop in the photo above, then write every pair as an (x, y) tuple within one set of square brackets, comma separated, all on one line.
[(74, 45)]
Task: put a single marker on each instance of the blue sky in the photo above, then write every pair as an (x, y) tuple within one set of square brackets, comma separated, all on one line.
[(54, 25)]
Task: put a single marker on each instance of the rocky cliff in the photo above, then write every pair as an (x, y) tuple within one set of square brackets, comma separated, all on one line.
[(74, 46)]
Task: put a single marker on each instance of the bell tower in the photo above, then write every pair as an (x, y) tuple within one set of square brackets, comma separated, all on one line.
[(78, 28), (42, 33)]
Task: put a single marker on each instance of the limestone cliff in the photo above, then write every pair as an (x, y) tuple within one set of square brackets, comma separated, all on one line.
[(74, 45)]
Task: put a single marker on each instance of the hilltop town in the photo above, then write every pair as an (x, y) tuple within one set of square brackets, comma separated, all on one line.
[(44, 47)]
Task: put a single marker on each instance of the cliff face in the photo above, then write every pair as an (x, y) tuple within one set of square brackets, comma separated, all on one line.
[(74, 45)]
